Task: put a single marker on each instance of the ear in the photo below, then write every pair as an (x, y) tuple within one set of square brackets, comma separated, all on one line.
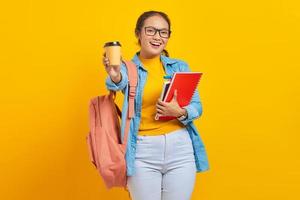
[(137, 34)]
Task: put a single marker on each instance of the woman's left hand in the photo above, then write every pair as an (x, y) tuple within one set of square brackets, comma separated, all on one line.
[(171, 108)]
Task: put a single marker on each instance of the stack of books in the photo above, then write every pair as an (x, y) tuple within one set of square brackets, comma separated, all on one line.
[(185, 83)]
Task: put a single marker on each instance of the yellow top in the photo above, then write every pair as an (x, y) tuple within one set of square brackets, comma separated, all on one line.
[(151, 93)]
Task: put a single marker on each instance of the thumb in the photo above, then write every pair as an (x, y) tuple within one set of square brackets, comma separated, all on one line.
[(175, 95)]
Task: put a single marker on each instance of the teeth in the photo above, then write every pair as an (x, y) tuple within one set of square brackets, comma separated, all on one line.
[(155, 43)]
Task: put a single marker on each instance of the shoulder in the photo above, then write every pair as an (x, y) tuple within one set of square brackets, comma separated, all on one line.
[(179, 64)]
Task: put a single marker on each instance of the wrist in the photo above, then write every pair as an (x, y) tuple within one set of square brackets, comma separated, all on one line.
[(117, 79), (182, 113)]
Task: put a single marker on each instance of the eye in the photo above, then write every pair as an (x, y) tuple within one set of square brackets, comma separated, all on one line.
[(150, 30)]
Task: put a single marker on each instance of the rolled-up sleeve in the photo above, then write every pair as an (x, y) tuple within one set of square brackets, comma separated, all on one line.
[(194, 109), (110, 85)]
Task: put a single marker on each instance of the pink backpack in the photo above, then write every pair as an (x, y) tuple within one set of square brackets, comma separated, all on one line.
[(106, 150)]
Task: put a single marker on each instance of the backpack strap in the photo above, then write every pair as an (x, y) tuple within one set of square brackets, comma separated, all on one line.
[(133, 78)]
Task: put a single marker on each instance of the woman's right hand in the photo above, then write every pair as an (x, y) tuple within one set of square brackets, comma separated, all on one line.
[(112, 70)]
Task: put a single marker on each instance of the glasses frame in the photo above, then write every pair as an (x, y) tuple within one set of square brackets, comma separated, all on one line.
[(158, 30)]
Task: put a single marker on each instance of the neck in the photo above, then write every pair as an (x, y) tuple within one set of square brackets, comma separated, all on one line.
[(147, 56), (150, 61)]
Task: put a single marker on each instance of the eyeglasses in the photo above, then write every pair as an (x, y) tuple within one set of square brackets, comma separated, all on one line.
[(151, 31)]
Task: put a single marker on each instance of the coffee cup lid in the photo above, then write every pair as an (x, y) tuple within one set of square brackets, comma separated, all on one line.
[(114, 43)]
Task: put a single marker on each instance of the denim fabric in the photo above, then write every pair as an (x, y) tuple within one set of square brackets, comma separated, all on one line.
[(165, 167), (194, 110)]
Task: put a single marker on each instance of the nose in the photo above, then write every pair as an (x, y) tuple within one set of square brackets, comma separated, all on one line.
[(156, 35)]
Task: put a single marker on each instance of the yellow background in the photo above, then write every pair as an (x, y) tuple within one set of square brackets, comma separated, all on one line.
[(51, 67)]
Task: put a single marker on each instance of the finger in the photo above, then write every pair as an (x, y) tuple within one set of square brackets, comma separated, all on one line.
[(159, 109), (106, 62), (159, 106), (160, 102), (160, 112), (105, 59)]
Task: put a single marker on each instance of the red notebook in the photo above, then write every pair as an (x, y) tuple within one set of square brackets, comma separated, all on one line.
[(186, 84)]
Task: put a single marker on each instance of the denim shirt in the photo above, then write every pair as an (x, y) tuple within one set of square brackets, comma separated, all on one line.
[(194, 110)]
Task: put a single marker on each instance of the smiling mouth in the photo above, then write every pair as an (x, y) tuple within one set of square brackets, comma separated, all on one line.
[(155, 44)]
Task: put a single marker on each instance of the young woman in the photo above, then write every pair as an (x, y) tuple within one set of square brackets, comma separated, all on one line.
[(162, 156)]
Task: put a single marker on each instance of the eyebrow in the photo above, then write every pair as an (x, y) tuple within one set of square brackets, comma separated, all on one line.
[(158, 28)]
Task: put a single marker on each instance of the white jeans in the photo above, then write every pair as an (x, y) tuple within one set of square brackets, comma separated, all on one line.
[(165, 167)]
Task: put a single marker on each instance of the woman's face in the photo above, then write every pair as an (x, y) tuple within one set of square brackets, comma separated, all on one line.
[(153, 44)]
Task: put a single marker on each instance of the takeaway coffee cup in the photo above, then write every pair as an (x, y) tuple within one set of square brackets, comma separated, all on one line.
[(113, 52)]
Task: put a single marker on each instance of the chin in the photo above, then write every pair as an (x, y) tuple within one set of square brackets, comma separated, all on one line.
[(155, 52)]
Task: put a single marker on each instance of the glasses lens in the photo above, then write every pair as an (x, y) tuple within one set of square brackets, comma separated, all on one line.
[(164, 33), (150, 31)]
